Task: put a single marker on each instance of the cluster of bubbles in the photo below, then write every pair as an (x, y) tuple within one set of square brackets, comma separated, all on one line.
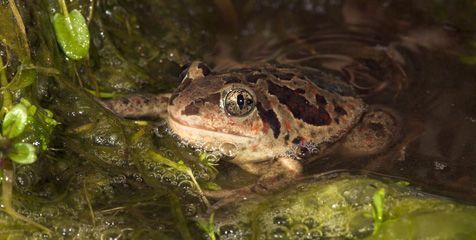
[(283, 227), (286, 227)]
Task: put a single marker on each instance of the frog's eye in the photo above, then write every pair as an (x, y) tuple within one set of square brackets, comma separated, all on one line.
[(238, 102)]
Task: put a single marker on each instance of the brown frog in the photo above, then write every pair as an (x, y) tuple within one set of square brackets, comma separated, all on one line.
[(269, 119)]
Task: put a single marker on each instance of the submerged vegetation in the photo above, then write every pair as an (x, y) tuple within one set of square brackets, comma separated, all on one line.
[(72, 169), (348, 207), (92, 169)]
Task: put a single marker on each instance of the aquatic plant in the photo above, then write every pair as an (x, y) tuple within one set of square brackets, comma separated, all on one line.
[(71, 32), (378, 208)]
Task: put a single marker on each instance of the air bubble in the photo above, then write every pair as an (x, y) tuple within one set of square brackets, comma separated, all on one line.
[(282, 220), (203, 175), (111, 234), (229, 231), (38, 235), (228, 149), (120, 179), (310, 222), (185, 185), (280, 233), (68, 231), (190, 210), (50, 211), (314, 235), (299, 230), (213, 157), (181, 177), (138, 178), (25, 178), (169, 178)]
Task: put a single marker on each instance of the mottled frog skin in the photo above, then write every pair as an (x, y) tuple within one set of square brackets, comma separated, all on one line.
[(270, 119)]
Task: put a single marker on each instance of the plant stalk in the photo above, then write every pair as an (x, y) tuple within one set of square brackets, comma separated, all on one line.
[(64, 8), (7, 197)]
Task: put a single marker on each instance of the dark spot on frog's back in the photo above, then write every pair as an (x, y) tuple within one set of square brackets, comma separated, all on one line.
[(321, 100), (286, 138), (191, 109), (231, 79), (339, 110), (296, 104), (253, 78), (269, 117), (283, 75), (194, 107), (125, 101), (213, 98)]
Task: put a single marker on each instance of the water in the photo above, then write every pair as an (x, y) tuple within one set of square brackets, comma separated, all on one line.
[(411, 62)]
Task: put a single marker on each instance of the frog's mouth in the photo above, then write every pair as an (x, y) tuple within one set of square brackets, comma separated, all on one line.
[(199, 135)]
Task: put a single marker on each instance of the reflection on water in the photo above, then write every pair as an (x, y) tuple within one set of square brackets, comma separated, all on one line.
[(396, 54)]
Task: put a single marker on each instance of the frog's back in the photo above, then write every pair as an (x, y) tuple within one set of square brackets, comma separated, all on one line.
[(303, 110)]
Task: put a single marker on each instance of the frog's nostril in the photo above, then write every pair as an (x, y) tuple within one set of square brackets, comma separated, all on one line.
[(205, 69)]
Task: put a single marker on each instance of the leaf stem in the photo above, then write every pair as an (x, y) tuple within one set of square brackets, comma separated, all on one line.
[(181, 222), (3, 74), (7, 96), (90, 206), (20, 25), (64, 8)]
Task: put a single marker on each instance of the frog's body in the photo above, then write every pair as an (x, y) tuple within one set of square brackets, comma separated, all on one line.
[(269, 118)]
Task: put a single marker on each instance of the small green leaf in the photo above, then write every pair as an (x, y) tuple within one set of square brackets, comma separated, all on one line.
[(403, 183), (179, 166), (23, 78), (23, 153), (213, 186), (72, 34), (377, 208), (208, 226), (15, 121)]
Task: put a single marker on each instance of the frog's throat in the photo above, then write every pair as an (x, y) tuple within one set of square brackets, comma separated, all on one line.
[(199, 136)]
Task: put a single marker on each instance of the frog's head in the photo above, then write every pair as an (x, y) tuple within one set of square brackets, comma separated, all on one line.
[(215, 109)]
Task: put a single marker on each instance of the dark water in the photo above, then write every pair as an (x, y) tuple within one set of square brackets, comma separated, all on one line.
[(410, 60)]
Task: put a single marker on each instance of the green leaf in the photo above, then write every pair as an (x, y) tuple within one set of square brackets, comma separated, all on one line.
[(23, 78), (213, 186), (403, 183), (181, 167), (208, 226), (23, 153), (377, 208), (15, 121), (39, 127), (72, 34)]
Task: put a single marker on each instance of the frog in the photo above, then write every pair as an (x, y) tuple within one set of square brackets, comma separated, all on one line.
[(269, 119)]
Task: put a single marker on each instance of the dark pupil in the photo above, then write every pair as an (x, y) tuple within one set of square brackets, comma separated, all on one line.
[(240, 101)]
